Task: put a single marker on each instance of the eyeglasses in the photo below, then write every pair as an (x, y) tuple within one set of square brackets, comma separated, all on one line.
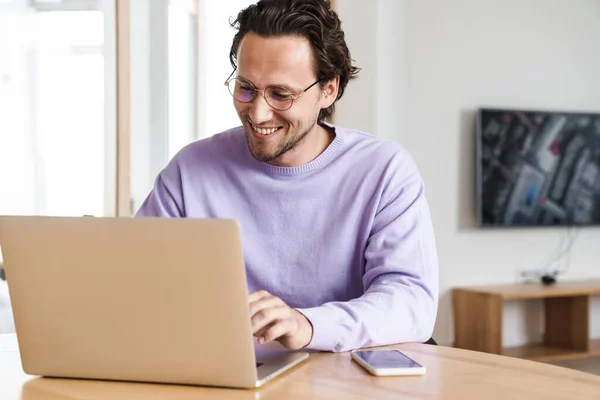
[(277, 97)]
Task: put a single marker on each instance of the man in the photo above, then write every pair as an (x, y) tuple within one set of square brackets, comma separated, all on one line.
[(336, 231)]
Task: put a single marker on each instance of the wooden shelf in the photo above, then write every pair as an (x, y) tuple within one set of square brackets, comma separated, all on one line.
[(539, 352), (536, 290), (478, 313)]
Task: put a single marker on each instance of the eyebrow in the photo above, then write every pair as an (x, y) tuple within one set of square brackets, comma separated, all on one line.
[(291, 89)]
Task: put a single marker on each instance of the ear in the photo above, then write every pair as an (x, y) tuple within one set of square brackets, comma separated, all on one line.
[(329, 92)]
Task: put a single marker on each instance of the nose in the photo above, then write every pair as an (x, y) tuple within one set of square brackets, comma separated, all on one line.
[(260, 111)]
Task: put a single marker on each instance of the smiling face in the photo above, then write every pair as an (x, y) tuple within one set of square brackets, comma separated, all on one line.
[(291, 137)]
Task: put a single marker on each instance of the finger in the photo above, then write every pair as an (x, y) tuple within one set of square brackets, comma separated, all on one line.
[(268, 316), (265, 303), (254, 296), (276, 330), (261, 332)]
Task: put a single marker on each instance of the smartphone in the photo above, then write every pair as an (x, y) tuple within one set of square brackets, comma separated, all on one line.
[(387, 362)]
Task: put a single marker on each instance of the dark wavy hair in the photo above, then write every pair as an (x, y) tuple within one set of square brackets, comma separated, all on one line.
[(311, 19)]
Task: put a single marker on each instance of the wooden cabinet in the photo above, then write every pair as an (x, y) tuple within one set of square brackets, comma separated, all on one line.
[(478, 313)]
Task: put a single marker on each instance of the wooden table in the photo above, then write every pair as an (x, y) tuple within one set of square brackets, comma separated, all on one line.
[(478, 315), (451, 374)]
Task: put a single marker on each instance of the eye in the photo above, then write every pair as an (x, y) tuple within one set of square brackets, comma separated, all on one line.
[(280, 95)]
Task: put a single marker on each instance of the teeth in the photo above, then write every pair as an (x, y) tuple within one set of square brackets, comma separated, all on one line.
[(263, 131)]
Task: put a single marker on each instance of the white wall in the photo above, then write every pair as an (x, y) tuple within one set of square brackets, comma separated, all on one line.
[(357, 23), (445, 59)]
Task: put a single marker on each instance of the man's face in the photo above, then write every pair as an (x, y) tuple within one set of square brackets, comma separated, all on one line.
[(279, 137)]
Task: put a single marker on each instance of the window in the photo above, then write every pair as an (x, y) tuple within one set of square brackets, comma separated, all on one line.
[(53, 134)]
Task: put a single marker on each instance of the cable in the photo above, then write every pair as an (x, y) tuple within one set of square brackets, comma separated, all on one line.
[(549, 273), (565, 253), (546, 272)]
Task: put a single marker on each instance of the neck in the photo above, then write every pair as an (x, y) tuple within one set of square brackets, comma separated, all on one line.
[(315, 143)]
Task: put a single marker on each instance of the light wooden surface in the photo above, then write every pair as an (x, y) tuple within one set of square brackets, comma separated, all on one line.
[(451, 374), (537, 290), (478, 315)]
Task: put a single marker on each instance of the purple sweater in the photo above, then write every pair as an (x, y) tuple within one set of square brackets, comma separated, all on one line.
[(346, 239)]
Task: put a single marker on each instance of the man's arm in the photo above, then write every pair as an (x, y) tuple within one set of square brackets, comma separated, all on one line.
[(400, 280), (166, 198), (272, 319)]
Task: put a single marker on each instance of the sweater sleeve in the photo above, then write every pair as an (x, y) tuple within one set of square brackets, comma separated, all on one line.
[(166, 197), (400, 281)]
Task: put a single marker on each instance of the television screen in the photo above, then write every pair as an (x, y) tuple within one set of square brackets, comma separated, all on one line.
[(538, 168)]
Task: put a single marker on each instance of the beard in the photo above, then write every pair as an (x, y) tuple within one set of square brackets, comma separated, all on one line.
[(260, 152)]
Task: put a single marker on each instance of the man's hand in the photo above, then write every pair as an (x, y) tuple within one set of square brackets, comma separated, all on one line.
[(272, 319)]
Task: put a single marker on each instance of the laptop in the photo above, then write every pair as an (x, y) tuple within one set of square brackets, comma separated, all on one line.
[(134, 299)]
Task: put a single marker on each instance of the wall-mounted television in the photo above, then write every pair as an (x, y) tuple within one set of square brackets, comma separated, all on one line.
[(537, 168)]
